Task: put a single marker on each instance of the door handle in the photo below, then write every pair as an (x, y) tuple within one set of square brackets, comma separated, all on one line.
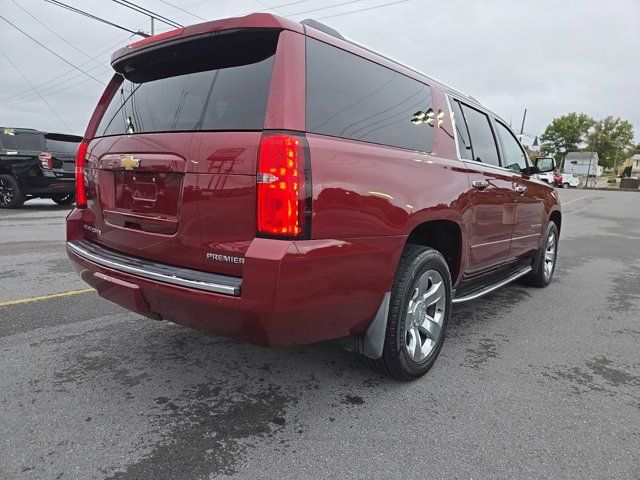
[(480, 184), (521, 189)]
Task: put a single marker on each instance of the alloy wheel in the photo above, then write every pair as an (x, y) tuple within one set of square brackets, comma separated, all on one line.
[(6, 192), (550, 255), (425, 316)]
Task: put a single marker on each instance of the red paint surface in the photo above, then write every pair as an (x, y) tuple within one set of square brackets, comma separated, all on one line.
[(366, 200)]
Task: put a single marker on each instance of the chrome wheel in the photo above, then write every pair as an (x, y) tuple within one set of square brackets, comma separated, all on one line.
[(6, 192), (550, 255), (425, 315)]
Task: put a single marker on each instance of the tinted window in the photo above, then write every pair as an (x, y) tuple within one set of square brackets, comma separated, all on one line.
[(61, 147), (21, 141), (226, 89), (514, 157), (350, 97), (462, 134), (484, 145)]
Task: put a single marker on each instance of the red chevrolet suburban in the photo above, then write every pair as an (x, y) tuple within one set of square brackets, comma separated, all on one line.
[(272, 182)]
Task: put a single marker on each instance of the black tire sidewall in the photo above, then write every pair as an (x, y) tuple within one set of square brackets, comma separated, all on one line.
[(429, 259), (18, 197), (537, 278), (62, 200)]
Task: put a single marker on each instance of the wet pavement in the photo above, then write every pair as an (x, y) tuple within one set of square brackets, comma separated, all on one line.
[(531, 383)]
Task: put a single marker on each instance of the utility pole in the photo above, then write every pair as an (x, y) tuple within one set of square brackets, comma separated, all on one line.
[(152, 26), (593, 144), (522, 126)]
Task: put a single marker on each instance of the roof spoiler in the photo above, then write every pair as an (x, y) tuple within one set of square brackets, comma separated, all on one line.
[(322, 27), (63, 137)]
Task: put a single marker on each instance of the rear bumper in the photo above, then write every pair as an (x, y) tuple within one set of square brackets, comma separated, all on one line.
[(47, 186), (291, 292)]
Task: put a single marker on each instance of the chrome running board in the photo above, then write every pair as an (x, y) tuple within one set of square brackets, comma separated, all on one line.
[(495, 286)]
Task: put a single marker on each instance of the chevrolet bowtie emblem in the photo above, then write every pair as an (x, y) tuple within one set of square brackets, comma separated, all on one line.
[(129, 163)]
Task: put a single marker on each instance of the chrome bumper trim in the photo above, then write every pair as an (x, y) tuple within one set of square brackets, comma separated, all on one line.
[(183, 277)]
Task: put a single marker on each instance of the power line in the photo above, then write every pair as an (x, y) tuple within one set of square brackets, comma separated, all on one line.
[(284, 4), (51, 30), (48, 94), (22, 93), (51, 89), (51, 51), (35, 90), (183, 10), (363, 9), (86, 14), (145, 11), (327, 7)]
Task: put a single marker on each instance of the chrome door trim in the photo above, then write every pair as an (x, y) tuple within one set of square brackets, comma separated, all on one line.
[(492, 243)]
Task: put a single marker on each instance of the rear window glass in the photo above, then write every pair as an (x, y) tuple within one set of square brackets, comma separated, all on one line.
[(462, 134), (351, 97), (21, 141), (61, 147), (482, 140), (226, 89)]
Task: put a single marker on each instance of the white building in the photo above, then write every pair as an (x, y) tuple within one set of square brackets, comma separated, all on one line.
[(634, 163), (582, 163)]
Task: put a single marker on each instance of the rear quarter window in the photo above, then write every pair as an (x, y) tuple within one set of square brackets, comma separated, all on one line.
[(354, 98)]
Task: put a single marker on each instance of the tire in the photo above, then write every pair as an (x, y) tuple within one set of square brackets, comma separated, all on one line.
[(545, 263), (565, 185), (66, 199), (11, 196), (419, 267)]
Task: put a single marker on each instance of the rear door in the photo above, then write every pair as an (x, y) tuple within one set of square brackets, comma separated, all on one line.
[(491, 190), (172, 167), (529, 195)]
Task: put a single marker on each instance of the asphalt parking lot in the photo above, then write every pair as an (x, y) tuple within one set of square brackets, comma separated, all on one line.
[(530, 383)]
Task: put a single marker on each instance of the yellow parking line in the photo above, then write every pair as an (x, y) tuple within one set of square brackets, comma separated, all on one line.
[(45, 297), (574, 200)]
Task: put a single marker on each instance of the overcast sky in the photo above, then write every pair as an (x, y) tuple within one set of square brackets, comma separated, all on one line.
[(552, 57)]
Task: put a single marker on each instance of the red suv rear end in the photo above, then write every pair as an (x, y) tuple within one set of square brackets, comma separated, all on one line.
[(197, 181), (271, 182)]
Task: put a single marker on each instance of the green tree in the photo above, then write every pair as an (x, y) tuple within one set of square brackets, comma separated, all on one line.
[(565, 134), (612, 138)]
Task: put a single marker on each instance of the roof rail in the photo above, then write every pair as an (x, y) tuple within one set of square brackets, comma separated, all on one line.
[(322, 27)]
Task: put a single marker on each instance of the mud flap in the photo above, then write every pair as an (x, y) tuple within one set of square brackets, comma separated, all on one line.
[(371, 343)]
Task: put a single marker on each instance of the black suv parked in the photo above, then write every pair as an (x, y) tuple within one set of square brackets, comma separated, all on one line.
[(36, 164)]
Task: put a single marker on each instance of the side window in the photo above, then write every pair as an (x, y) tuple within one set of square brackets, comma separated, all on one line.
[(515, 158), (484, 144), (462, 133), (351, 97)]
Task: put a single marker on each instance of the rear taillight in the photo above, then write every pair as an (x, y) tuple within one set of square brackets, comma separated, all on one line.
[(46, 161), (81, 192), (282, 195)]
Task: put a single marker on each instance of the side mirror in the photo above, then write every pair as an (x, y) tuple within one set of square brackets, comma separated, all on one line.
[(546, 164)]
